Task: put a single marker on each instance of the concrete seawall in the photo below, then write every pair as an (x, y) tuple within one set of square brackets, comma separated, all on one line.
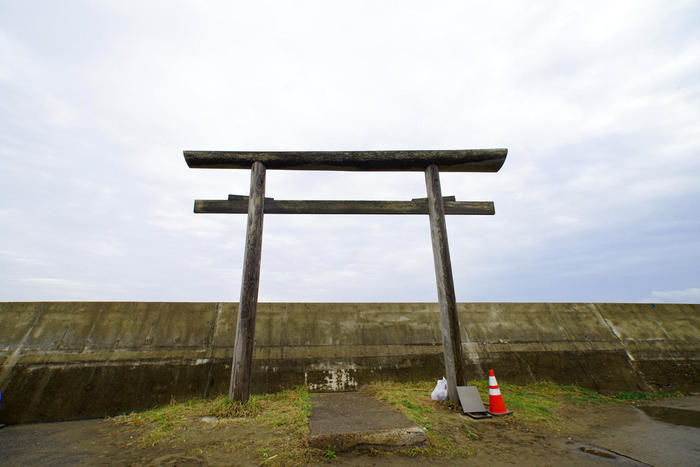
[(68, 360)]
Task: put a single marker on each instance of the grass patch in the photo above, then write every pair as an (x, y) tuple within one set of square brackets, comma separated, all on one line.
[(537, 407), (542, 403), (163, 423), (274, 428), (277, 423), (640, 395), (446, 432), (285, 416)]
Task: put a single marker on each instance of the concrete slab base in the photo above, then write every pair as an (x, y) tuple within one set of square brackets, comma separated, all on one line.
[(354, 421)]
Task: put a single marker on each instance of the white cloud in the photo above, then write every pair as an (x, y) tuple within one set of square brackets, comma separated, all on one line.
[(596, 101), (691, 295), (52, 281), (16, 257)]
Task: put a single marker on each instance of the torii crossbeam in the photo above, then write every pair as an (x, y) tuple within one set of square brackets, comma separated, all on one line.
[(435, 205)]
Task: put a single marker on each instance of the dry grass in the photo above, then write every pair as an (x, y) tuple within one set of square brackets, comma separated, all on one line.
[(539, 407), (274, 428)]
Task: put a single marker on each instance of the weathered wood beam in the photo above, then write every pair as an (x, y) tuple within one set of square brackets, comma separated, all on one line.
[(458, 160), (241, 370), (272, 206), (244, 198), (449, 320)]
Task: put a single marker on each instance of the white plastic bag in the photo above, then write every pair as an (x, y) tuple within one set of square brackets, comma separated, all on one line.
[(440, 391)]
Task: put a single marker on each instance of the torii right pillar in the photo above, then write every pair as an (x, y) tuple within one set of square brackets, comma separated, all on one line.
[(449, 320)]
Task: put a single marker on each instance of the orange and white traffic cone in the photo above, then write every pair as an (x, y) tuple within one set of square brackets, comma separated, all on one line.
[(496, 405)]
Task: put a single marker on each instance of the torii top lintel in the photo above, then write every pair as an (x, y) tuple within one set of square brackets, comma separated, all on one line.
[(456, 160)]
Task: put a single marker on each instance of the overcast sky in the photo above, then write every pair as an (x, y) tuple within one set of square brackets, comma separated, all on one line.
[(598, 104)]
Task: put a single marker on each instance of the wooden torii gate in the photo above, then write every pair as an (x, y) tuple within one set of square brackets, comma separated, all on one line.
[(435, 205)]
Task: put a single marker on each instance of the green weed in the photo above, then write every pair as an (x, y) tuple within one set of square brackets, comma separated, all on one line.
[(640, 395)]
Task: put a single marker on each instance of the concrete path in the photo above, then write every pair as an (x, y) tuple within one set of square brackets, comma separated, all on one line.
[(351, 420), (667, 437), (80, 442)]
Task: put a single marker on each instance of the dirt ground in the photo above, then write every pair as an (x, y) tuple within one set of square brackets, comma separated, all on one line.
[(599, 435), (588, 435)]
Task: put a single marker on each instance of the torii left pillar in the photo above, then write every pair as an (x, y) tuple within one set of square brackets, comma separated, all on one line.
[(250, 280)]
